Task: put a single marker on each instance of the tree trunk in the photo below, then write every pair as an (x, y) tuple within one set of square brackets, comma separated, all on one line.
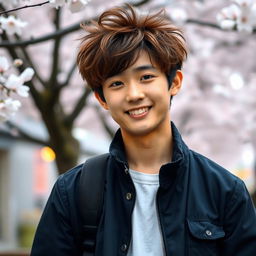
[(61, 139), (67, 153)]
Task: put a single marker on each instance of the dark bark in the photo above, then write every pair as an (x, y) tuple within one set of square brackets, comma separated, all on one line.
[(61, 139), (65, 146)]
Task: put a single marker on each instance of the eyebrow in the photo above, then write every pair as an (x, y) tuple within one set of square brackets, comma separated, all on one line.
[(137, 69), (144, 67)]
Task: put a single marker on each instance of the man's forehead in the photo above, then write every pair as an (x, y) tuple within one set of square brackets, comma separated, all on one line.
[(142, 61)]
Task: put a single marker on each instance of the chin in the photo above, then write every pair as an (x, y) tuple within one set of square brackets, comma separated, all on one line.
[(140, 131)]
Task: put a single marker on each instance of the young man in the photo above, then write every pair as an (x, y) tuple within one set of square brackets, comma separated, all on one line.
[(160, 198)]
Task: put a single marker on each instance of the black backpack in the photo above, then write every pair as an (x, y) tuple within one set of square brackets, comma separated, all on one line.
[(91, 194)]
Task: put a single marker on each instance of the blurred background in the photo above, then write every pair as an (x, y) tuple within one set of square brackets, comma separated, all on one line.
[(57, 123)]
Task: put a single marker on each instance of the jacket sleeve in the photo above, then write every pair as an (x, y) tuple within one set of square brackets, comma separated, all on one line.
[(240, 224), (54, 235)]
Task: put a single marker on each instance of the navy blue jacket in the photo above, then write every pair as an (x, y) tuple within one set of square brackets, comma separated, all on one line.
[(203, 209)]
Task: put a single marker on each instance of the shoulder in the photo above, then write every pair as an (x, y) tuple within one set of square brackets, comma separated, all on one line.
[(70, 178), (204, 166), (71, 175), (66, 185), (60, 219), (220, 198), (215, 179), (217, 188)]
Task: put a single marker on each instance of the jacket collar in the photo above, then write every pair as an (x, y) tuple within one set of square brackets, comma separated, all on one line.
[(117, 149), (171, 172)]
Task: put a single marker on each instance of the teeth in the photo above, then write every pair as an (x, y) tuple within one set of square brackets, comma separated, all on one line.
[(138, 111)]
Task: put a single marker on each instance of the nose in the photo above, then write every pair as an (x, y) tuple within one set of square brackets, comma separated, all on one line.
[(134, 93)]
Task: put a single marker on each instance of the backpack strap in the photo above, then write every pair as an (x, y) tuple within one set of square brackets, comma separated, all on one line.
[(91, 194)]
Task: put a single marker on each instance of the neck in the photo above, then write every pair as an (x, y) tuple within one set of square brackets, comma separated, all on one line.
[(147, 153)]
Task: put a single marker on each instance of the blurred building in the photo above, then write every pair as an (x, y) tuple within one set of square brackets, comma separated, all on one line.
[(27, 174)]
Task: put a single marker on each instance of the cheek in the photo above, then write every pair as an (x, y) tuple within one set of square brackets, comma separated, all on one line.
[(116, 113), (160, 93), (113, 105)]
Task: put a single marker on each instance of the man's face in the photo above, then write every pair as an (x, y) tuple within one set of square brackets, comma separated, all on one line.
[(138, 99)]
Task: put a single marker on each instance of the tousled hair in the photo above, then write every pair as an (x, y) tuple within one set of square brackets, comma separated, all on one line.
[(114, 42)]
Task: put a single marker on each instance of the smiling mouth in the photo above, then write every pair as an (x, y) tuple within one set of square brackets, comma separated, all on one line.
[(138, 112)]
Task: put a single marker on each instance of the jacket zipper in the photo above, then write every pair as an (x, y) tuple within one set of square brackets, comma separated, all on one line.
[(161, 224)]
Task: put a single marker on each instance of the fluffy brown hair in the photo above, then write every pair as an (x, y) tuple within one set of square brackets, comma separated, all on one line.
[(113, 42)]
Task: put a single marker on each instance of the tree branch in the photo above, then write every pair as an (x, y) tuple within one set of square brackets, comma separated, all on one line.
[(212, 25), (24, 135), (50, 36), (46, 2), (141, 3), (14, 55), (81, 103), (204, 23), (23, 7), (33, 90), (53, 35), (30, 63), (55, 60), (69, 76), (76, 27), (36, 95)]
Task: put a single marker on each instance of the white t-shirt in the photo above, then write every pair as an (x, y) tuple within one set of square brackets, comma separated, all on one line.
[(147, 237)]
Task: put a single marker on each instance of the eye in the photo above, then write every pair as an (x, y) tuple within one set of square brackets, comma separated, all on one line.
[(116, 84), (147, 77)]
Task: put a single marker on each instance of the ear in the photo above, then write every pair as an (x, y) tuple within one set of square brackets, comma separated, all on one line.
[(102, 103), (176, 84)]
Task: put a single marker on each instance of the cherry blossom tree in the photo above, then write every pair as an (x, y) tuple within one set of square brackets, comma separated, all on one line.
[(46, 88), (215, 111), (10, 84)]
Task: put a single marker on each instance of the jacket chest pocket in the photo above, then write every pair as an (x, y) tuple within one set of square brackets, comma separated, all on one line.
[(204, 238)]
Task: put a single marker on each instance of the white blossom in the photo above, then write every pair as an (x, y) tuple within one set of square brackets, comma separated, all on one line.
[(2, 80), (245, 3), (241, 14), (12, 84), (27, 74), (247, 20), (8, 108), (16, 84), (228, 16), (227, 24), (57, 3), (244, 24), (77, 5), (4, 64), (73, 5), (178, 15), (12, 25), (23, 91)]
